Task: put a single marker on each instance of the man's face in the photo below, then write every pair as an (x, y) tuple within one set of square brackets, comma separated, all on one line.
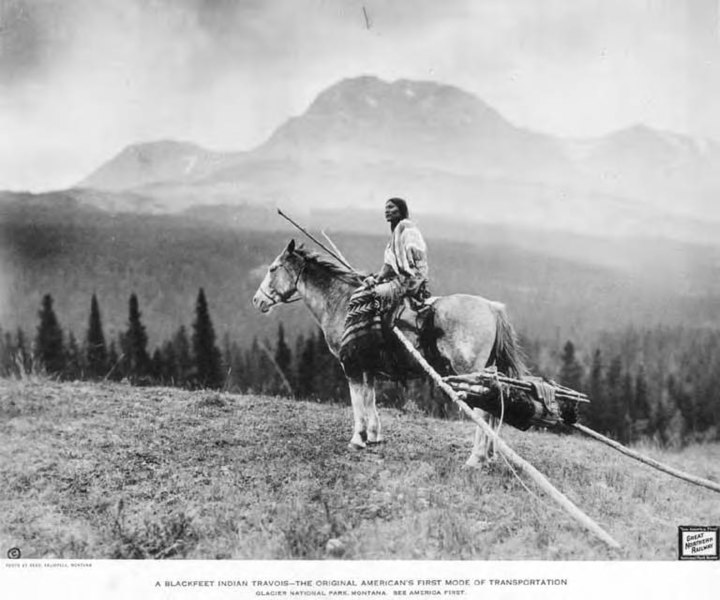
[(392, 212)]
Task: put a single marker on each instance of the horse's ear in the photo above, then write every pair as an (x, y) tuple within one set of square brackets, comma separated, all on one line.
[(290, 247)]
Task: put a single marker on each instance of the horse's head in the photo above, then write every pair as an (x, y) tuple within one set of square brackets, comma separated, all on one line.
[(281, 279)]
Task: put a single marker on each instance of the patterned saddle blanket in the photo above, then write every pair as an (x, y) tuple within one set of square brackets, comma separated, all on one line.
[(368, 343)]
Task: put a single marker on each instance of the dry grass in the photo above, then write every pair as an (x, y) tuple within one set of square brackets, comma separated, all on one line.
[(110, 471)]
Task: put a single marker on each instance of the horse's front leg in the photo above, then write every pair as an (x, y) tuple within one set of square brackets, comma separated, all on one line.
[(357, 397), (374, 434), (484, 446)]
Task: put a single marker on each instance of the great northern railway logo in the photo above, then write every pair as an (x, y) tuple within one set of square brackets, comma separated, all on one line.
[(698, 543)]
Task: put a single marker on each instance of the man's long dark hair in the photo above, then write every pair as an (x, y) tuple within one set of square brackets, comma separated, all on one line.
[(402, 207)]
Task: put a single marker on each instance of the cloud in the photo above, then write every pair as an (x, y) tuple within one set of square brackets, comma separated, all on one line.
[(80, 79), (29, 38), (589, 66)]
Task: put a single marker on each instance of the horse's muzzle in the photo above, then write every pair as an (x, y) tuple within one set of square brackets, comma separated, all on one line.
[(261, 302)]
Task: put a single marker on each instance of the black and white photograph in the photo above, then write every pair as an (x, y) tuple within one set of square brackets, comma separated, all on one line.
[(359, 298)]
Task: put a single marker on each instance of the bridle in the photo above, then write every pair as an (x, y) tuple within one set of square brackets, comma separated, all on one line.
[(278, 298)]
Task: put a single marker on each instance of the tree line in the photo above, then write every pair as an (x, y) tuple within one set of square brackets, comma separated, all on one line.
[(661, 384), (189, 359)]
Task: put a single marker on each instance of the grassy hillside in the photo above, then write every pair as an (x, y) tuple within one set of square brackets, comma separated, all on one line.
[(110, 471)]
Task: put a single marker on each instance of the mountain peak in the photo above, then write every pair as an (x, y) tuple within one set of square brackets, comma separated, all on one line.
[(367, 119), (151, 162), (367, 93)]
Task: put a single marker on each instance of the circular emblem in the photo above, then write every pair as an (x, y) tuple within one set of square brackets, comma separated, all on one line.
[(14, 553)]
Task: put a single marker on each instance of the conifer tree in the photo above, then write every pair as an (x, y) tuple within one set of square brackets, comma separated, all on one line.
[(169, 372), (239, 368), (227, 355), (114, 371), (642, 402), (330, 379), (627, 409), (233, 361), (283, 359), (661, 414), (6, 354), (683, 400), (642, 406), (305, 366), (208, 361), (596, 375), (571, 372), (49, 349), (73, 360), (253, 357), (599, 409), (23, 356), (183, 358), (95, 348), (228, 359), (157, 366), (616, 402), (259, 369), (134, 344)]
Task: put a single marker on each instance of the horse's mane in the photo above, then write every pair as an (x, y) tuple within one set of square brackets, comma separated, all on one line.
[(329, 264)]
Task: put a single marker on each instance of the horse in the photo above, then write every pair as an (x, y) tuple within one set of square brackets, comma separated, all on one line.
[(473, 332)]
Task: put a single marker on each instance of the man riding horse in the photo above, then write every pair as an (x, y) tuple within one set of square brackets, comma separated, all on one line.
[(405, 269), (403, 275), (472, 332)]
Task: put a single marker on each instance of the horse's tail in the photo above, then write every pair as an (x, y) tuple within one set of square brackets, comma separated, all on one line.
[(506, 351)]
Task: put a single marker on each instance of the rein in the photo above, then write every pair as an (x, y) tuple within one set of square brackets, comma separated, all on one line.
[(337, 255), (287, 298)]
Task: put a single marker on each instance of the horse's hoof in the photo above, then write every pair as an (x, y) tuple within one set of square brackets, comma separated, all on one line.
[(375, 441), (356, 447), (476, 462)]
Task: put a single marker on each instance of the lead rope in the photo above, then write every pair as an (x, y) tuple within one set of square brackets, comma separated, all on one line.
[(497, 432)]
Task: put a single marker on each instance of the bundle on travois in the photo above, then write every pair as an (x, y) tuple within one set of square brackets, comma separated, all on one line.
[(519, 402)]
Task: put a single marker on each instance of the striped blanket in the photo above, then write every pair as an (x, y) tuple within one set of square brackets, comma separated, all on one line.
[(362, 343)]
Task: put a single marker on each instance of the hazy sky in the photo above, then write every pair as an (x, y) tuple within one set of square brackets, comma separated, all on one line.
[(81, 79)]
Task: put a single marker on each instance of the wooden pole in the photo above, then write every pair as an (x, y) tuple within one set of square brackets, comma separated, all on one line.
[(314, 239), (337, 251), (711, 485), (274, 363), (518, 461)]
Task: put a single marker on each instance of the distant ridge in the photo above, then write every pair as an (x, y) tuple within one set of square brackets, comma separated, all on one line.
[(153, 162), (363, 139)]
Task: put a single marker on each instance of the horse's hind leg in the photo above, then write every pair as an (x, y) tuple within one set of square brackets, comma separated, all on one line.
[(475, 458), (493, 422), (484, 446), (358, 391)]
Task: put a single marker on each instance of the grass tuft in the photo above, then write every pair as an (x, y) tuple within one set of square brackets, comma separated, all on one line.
[(169, 536)]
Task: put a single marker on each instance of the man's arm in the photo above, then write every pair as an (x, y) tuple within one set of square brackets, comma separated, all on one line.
[(385, 273)]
